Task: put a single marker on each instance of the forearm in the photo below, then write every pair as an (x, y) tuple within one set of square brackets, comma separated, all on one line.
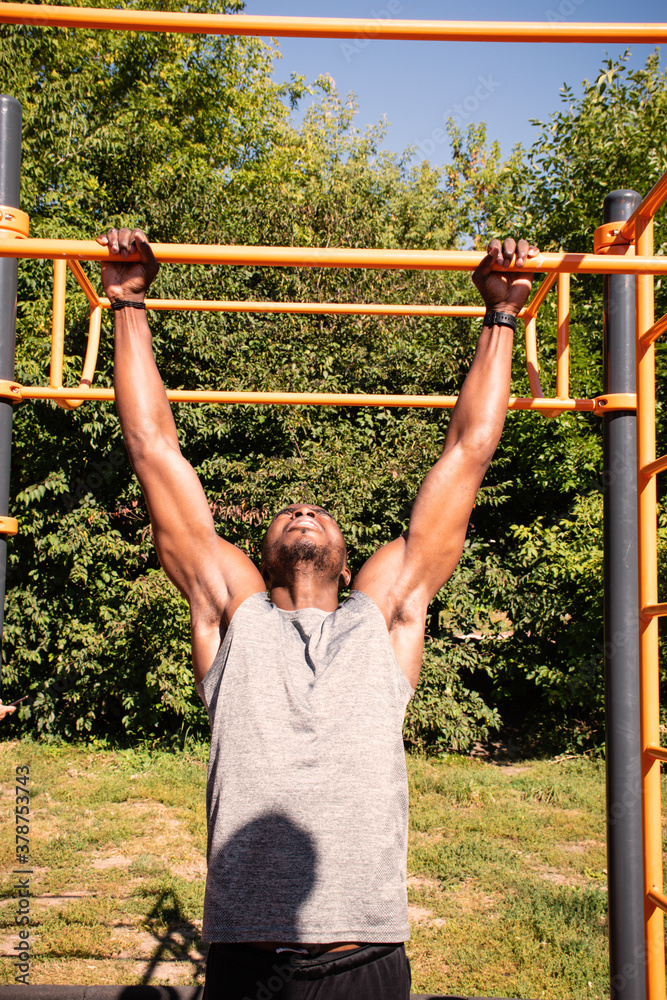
[(145, 414), (478, 417)]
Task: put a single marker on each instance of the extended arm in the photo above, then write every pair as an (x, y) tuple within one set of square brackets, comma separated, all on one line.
[(212, 574), (404, 576)]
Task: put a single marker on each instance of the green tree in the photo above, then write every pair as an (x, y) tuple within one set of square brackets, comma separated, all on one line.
[(187, 136), (116, 126), (114, 132), (548, 678), (604, 139)]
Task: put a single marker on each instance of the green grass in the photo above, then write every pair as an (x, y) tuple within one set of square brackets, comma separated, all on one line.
[(508, 878), (507, 886)]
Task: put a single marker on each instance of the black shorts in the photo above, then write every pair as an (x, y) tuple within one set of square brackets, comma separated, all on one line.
[(372, 971)]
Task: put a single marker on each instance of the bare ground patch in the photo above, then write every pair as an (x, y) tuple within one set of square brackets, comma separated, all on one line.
[(468, 898), (580, 847), (112, 861), (116, 971), (420, 882), (194, 869)]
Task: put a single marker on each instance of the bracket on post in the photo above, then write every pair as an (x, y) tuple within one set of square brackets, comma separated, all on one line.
[(8, 525), (609, 239), (13, 222), (612, 401), (11, 391)]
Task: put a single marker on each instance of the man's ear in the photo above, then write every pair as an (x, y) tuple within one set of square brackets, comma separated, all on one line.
[(345, 577)]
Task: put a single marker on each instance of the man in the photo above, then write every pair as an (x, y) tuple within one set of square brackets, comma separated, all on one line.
[(307, 789)]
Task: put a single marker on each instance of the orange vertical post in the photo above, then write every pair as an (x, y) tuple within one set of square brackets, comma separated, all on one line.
[(563, 338), (648, 625), (58, 325)]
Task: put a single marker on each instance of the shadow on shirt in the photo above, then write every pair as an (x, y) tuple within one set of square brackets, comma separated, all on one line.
[(259, 879)]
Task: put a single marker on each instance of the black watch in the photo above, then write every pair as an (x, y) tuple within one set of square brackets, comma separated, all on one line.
[(500, 319)]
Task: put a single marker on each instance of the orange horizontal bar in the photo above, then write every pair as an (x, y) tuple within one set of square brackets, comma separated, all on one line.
[(329, 27), (305, 398), (658, 898), (653, 468), (333, 308), (647, 208), (655, 331), (654, 610), (436, 260), (653, 750)]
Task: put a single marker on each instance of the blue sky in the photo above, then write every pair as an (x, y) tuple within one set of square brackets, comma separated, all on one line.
[(416, 84)]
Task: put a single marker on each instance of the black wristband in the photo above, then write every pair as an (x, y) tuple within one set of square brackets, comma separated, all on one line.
[(121, 303), (500, 319)]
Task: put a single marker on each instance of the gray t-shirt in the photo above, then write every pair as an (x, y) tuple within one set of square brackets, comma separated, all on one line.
[(307, 797)]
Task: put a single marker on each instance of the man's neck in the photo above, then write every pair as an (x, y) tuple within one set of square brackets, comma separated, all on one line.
[(305, 591)]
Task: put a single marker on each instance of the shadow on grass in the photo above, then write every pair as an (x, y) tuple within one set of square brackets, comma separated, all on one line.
[(181, 941)]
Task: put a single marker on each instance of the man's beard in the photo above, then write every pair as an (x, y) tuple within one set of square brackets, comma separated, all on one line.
[(326, 559)]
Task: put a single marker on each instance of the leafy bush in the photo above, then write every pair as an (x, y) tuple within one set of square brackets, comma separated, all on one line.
[(188, 137)]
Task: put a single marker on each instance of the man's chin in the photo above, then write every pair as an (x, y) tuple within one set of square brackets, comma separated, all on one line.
[(302, 549)]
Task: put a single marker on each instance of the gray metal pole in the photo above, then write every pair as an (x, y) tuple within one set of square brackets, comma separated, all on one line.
[(10, 174), (624, 818)]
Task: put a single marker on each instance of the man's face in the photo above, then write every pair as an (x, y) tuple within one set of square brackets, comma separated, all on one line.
[(307, 534)]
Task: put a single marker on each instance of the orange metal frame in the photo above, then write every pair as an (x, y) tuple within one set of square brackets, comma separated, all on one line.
[(634, 239), (426, 260), (640, 228), (622, 248), (558, 267), (329, 27)]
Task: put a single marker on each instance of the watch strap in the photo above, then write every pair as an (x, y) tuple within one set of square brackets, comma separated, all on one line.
[(122, 303), (493, 318)]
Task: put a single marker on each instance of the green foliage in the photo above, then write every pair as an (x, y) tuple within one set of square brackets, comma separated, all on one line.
[(490, 193), (188, 137), (444, 714), (116, 126), (603, 140), (546, 680), (93, 630), (564, 558)]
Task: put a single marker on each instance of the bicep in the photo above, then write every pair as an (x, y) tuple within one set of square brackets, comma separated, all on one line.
[(403, 576), (440, 516), (204, 567)]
